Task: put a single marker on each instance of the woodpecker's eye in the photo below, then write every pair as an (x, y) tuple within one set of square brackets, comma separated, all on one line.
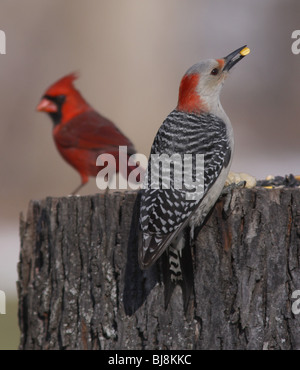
[(214, 72)]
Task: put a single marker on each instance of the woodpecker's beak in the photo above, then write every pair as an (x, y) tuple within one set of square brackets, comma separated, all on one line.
[(46, 105), (234, 57)]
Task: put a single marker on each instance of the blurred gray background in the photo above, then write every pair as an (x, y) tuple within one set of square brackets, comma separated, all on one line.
[(131, 55)]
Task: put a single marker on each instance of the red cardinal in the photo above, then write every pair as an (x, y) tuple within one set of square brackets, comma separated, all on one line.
[(80, 133)]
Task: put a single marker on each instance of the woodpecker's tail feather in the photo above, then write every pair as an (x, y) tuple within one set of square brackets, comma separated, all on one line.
[(178, 269)]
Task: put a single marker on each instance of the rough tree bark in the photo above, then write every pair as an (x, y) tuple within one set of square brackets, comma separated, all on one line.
[(80, 287)]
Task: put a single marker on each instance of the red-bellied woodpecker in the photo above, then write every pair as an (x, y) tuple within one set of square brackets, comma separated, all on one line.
[(198, 127)]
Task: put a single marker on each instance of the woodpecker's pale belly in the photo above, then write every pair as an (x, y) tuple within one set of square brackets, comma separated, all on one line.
[(210, 198), (215, 191)]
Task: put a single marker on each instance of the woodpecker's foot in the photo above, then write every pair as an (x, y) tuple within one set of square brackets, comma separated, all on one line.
[(228, 188), (235, 181), (227, 193)]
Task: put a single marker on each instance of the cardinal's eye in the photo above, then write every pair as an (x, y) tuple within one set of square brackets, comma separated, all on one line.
[(214, 72), (61, 98)]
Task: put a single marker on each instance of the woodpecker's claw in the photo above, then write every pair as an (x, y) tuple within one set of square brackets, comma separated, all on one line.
[(235, 181), (227, 193)]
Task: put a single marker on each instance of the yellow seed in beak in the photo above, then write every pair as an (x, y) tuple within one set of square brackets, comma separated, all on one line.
[(245, 52)]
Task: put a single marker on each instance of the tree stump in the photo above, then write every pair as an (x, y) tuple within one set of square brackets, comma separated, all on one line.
[(80, 286)]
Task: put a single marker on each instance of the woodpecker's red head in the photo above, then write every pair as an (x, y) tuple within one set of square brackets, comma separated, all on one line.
[(62, 101), (201, 85)]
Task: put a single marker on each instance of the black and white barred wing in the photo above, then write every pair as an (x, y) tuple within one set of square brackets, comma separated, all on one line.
[(165, 206)]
